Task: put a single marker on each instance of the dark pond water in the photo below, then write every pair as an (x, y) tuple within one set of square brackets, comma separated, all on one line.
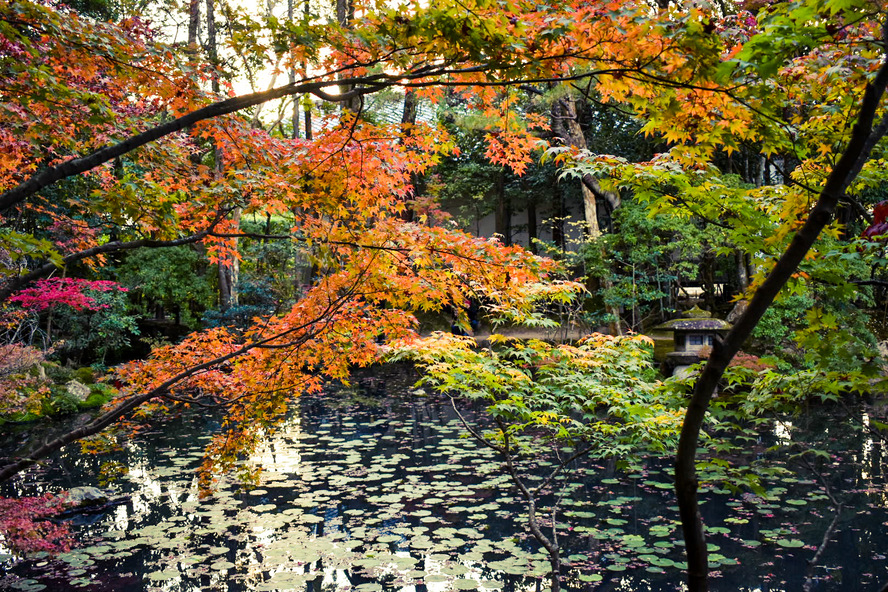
[(376, 488)]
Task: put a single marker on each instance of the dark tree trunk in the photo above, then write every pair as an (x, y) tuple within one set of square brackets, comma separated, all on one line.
[(503, 214), (408, 121), (532, 230), (742, 271), (345, 15), (212, 48), (193, 23), (863, 138), (558, 222)]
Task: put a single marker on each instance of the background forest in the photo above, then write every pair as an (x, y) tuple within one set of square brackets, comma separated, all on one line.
[(227, 207)]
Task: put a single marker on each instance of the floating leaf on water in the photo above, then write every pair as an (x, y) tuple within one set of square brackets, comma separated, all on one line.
[(163, 575), (421, 544), (791, 543), (455, 570), (351, 544), (623, 559), (436, 578), (464, 584), (311, 519), (591, 577), (223, 565), (616, 567), (370, 562)]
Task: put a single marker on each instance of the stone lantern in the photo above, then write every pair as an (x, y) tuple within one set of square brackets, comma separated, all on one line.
[(692, 331)]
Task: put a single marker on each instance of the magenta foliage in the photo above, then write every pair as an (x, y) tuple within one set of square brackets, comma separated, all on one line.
[(24, 527), (879, 227), (71, 292)]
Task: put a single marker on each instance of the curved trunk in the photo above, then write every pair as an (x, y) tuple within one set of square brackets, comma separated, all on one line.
[(863, 138)]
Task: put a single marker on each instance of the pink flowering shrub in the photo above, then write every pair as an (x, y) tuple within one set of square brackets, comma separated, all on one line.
[(25, 528), (73, 292)]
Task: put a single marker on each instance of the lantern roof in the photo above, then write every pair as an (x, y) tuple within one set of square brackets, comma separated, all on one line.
[(695, 319)]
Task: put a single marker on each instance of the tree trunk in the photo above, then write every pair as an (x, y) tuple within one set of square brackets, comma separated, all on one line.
[(565, 124), (193, 24), (503, 213), (212, 48), (306, 12), (532, 230), (707, 277), (558, 222), (229, 267), (863, 138), (408, 121), (742, 270), (345, 15)]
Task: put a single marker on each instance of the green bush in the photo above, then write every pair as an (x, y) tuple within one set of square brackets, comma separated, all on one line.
[(60, 402), (100, 393), (58, 373), (85, 375)]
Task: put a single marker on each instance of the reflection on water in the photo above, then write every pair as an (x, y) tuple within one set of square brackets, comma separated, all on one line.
[(376, 489)]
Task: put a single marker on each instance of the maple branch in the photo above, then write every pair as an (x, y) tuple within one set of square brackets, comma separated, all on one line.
[(76, 166), (843, 173), (472, 432), (562, 464), (356, 245), (361, 85), (123, 408)]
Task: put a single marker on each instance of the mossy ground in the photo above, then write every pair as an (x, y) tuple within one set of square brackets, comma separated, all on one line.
[(58, 401)]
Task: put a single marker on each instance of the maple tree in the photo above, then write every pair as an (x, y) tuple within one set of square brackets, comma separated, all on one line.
[(598, 398), (140, 154), (835, 162), (73, 292)]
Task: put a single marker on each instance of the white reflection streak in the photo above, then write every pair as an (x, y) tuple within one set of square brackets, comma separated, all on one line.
[(867, 450), (121, 517), (281, 452), (783, 431)]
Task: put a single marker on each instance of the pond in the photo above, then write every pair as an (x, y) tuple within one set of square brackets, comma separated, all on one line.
[(374, 487)]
